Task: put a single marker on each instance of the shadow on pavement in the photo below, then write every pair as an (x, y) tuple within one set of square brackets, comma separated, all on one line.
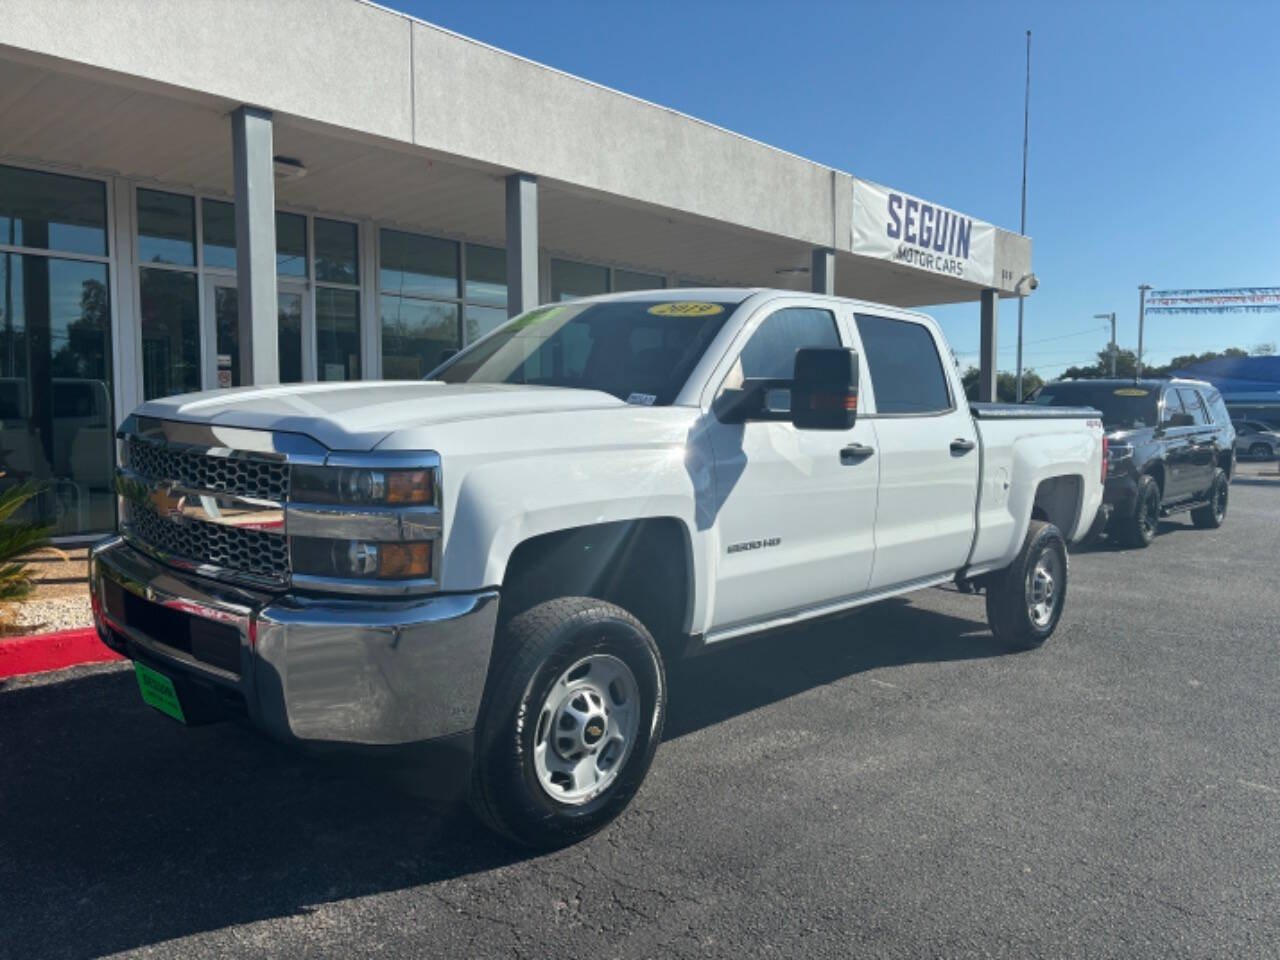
[(120, 829)]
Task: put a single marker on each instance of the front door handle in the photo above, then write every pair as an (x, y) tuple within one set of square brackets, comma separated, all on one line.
[(855, 453), (961, 445)]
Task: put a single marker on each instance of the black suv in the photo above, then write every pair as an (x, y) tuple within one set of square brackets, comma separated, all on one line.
[(1170, 448)]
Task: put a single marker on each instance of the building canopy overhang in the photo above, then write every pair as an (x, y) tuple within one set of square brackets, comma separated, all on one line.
[(399, 122)]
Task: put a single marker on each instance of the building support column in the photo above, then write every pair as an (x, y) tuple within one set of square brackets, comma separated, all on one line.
[(522, 243), (987, 360), (822, 275), (255, 189)]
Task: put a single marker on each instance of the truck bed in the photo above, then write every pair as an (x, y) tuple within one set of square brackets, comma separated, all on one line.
[(1030, 411)]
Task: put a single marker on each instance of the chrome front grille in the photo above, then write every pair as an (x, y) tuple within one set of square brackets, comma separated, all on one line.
[(256, 553), (242, 476)]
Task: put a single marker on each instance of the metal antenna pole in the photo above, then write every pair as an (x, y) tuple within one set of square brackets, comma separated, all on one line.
[(1026, 126), (1111, 348), (1142, 316)]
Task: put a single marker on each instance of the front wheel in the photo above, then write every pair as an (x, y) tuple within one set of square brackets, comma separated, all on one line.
[(1260, 451), (1139, 528), (1025, 600), (1211, 515), (571, 718)]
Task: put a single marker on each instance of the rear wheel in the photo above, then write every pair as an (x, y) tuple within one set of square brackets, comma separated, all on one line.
[(1211, 515), (572, 715), (1024, 601), (1139, 528)]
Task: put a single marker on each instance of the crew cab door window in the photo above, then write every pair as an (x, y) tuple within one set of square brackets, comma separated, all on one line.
[(1172, 407), (770, 354), (905, 368)]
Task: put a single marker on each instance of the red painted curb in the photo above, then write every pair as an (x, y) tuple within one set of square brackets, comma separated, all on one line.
[(52, 651)]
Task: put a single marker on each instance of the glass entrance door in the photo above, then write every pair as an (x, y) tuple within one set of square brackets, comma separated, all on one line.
[(222, 338)]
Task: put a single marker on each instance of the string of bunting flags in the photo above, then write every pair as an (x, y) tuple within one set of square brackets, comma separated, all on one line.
[(1229, 300)]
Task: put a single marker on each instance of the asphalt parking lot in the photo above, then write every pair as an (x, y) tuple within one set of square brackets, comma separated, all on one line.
[(891, 783)]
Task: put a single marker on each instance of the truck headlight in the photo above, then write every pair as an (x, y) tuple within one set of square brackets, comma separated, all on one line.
[(1119, 451), (361, 559), (364, 486)]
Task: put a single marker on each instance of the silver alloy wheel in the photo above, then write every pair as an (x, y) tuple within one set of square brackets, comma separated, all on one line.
[(586, 727), (1043, 586)]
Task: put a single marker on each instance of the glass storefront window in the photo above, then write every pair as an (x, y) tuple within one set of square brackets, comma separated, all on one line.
[(170, 332), (219, 239), (49, 211), (418, 266), (166, 228), (570, 280), (56, 423), (289, 342), (218, 221), (337, 334), (291, 244), (625, 280), (417, 335), (486, 275), (337, 251), (482, 320)]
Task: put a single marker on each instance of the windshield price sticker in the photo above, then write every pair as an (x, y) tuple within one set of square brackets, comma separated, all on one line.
[(686, 308), (1131, 392)]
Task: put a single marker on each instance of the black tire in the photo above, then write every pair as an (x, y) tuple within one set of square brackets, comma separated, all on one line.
[(1260, 451), (1211, 515), (1139, 528), (531, 655), (1011, 592)]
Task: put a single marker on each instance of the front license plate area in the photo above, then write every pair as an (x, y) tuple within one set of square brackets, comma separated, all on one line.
[(158, 691)]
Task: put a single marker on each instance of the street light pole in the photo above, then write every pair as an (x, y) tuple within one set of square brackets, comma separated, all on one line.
[(1142, 316), (1026, 125), (1112, 349)]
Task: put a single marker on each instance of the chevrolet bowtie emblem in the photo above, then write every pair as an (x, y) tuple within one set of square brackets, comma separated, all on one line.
[(168, 504)]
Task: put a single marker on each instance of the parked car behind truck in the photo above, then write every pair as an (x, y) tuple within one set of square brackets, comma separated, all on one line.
[(511, 554), (1171, 449)]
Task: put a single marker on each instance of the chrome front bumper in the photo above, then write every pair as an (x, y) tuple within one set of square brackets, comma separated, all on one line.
[(322, 670)]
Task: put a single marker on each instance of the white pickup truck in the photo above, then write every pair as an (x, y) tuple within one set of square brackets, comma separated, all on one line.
[(508, 553)]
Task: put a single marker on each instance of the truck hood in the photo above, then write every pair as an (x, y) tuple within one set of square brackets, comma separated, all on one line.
[(359, 415)]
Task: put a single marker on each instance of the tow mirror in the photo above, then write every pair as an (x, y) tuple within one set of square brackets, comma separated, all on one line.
[(824, 392)]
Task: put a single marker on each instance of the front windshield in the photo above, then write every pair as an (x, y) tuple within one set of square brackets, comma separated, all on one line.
[(641, 351), (1124, 407)]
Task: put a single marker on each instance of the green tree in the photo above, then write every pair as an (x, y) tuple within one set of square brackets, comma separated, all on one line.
[(1006, 384)]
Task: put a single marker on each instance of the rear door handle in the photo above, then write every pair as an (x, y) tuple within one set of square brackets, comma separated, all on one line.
[(961, 445), (855, 453)]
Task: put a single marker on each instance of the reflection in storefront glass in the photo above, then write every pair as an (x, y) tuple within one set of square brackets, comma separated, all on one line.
[(56, 425)]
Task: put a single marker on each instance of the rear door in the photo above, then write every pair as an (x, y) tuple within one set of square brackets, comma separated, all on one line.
[(927, 450)]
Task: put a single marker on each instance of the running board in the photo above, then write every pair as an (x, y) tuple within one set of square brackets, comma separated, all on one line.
[(1182, 506)]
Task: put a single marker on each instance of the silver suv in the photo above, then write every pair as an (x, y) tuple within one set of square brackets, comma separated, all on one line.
[(1257, 440)]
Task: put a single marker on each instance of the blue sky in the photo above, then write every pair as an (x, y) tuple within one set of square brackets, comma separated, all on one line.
[(1155, 130)]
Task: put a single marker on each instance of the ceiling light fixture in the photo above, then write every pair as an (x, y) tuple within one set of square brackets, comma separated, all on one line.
[(288, 168)]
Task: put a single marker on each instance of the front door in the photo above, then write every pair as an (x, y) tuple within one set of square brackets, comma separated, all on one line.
[(1179, 451), (795, 510), (927, 451), (222, 335)]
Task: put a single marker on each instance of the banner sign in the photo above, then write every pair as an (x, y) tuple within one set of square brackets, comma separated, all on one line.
[(890, 225), (1231, 300)]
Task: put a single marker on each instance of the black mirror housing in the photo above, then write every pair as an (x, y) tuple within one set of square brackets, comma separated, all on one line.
[(824, 392)]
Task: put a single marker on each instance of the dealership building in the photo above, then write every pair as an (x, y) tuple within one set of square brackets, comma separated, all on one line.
[(209, 193)]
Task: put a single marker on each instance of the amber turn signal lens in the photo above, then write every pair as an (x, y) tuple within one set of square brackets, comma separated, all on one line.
[(410, 486), (404, 561)]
